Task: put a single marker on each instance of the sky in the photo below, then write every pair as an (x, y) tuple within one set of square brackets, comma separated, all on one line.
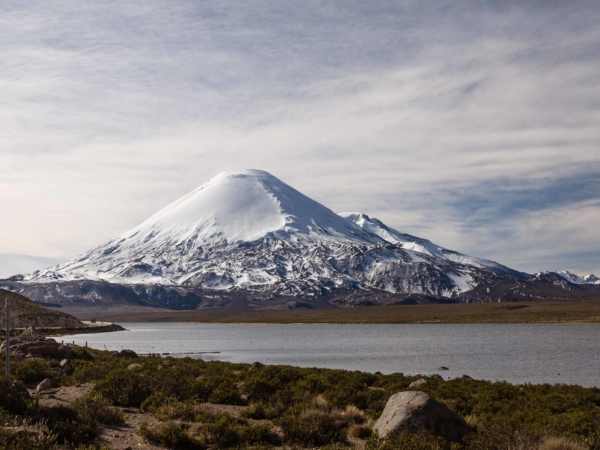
[(474, 124)]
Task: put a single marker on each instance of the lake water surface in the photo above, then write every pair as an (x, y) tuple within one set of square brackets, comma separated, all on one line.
[(518, 353)]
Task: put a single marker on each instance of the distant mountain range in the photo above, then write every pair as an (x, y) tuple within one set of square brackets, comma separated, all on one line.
[(588, 279), (246, 239)]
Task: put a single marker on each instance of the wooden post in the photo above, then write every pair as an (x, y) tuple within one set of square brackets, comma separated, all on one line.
[(7, 336)]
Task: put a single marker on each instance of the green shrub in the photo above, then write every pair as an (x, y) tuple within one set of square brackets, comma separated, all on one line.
[(311, 427), (170, 435), (65, 425), (124, 388), (412, 441), (19, 441), (14, 397), (255, 411), (34, 370), (96, 408)]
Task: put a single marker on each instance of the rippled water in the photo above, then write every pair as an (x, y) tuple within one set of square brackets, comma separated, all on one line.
[(518, 353)]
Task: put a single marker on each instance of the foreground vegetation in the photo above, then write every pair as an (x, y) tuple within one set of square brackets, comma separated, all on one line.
[(282, 406)]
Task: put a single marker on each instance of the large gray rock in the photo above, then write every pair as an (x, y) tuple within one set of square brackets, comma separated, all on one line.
[(125, 354), (414, 411), (418, 383), (44, 386)]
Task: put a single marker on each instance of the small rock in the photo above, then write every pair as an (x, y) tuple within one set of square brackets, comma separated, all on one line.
[(64, 363), (133, 366), (436, 376), (443, 368), (415, 411), (418, 383), (43, 386), (378, 373), (257, 365)]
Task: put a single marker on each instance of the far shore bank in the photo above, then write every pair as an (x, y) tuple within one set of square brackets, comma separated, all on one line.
[(513, 312)]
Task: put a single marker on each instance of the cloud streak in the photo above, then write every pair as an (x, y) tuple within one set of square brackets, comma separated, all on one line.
[(471, 124)]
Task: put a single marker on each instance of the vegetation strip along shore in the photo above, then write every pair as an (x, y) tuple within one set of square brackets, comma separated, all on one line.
[(517, 312)]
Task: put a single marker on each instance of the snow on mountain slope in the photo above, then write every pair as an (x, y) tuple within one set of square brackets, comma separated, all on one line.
[(415, 244), (248, 230), (571, 277)]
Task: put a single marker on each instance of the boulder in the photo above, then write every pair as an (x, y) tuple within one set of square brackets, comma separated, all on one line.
[(24, 347), (43, 386), (46, 350), (133, 366), (65, 352), (125, 354), (466, 377), (415, 411), (443, 368), (418, 383), (257, 365), (436, 376)]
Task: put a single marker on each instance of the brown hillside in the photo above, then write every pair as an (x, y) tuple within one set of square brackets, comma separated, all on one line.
[(30, 313)]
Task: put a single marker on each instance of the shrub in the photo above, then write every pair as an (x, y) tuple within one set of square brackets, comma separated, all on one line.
[(34, 370), (411, 441), (226, 393), (228, 433), (255, 411), (170, 435), (124, 388), (14, 397), (311, 427), (66, 425), (19, 441), (94, 407), (560, 443)]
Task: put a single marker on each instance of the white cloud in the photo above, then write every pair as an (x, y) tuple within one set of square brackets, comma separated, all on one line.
[(110, 111)]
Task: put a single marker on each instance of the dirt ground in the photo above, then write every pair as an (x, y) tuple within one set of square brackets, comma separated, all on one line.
[(119, 437)]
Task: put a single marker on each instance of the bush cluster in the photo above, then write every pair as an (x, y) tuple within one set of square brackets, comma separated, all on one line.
[(295, 406)]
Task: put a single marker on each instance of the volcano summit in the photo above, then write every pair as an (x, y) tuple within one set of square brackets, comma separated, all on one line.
[(247, 234)]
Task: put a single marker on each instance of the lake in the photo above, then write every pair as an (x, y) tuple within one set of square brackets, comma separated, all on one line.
[(517, 353)]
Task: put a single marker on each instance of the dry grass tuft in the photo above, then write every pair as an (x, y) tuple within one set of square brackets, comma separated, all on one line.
[(354, 415), (560, 443), (472, 421), (319, 402), (362, 430)]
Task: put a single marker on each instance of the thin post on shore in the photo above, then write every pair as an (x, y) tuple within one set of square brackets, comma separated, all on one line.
[(7, 346)]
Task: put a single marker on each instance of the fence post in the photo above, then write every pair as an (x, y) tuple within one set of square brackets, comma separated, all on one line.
[(7, 336)]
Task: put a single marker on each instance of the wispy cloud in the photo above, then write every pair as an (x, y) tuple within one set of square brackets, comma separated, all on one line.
[(473, 124)]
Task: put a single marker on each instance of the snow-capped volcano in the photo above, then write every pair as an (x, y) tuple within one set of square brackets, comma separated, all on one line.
[(248, 230)]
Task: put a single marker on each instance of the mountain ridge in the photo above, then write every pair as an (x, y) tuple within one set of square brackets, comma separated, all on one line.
[(248, 233)]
